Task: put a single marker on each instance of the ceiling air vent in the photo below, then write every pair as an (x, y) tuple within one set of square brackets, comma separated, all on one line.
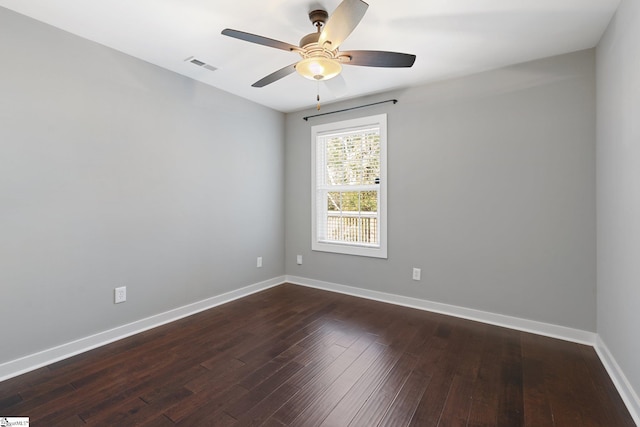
[(199, 63)]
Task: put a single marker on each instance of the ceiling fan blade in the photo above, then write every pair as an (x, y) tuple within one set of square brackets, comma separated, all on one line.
[(337, 86), (377, 58), (342, 22), (275, 76), (253, 38)]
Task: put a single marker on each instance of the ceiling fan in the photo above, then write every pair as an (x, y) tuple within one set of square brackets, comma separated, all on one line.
[(321, 59)]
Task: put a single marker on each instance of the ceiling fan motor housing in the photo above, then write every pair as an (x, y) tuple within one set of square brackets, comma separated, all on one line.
[(318, 17)]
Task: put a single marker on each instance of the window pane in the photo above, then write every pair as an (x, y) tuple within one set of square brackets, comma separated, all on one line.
[(350, 201), (369, 201), (334, 203), (371, 158), (353, 159), (369, 229), (352, 216)]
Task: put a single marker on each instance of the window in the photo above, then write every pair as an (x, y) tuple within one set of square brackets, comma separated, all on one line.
[(349, 187)]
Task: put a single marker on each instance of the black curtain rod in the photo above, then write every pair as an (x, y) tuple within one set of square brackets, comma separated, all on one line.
[(395, 101)]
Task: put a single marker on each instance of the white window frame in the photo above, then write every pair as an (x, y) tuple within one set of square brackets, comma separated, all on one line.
[(318, 205)]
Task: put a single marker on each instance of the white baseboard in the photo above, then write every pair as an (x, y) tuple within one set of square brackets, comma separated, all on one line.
[(46, 357), (628, 394), (540, 328)]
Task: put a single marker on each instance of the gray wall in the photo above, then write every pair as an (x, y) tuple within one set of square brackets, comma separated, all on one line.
[(618, 78), (491, 193), (116, 172)]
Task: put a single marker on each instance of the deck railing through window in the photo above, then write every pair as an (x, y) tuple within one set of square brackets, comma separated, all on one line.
[(353, 227)]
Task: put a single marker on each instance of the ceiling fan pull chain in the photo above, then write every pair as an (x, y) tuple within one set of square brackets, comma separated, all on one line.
[(318, 97)]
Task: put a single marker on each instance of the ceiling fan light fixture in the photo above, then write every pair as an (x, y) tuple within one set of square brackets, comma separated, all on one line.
[(318, 68)]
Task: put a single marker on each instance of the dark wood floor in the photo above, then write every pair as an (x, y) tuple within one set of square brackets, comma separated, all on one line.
[(304, 357)]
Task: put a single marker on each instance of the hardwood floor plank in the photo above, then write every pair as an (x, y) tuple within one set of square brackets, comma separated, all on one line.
[(52, 382), (487, 387), (263, 390), (315, 413), (106, 410), (326, 336), (259, 413), (466, 370), (445, 350), (375, 408), (147, 411), (510, 402), (317, 384), (271, 367), (316, 363), (9, 401), (204, 405), (160, 421), (357, 396), (224, 347), (34, 406), (484, 414), (72, 421), (425, 333), (537, 410), (170, 383), (401, 411), (458, 403), (271, 422)]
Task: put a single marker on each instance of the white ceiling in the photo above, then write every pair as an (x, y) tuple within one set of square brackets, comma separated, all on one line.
[(449, 37)]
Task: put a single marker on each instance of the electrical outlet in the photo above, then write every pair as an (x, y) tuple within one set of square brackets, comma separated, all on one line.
[(299, 259), (120, 295), (416, 273), (259, 263)]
